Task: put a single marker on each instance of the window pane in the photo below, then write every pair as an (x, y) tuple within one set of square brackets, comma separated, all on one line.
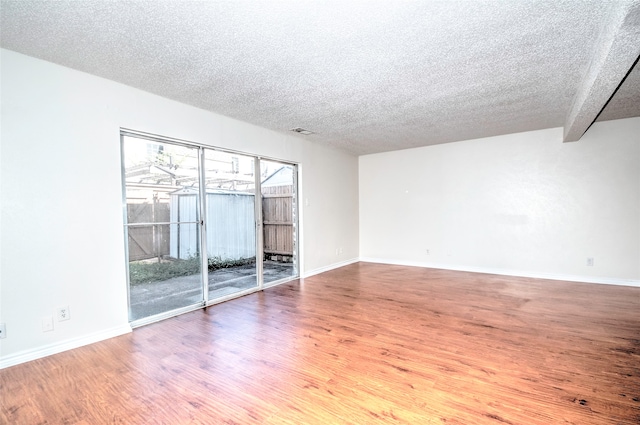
[(154, 174), (163, 229), (162, 284), (231, 230), (279, 220)]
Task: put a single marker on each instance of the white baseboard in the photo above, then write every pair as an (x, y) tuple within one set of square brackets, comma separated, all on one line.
[(58, 347), (329, 267), (508, 272)]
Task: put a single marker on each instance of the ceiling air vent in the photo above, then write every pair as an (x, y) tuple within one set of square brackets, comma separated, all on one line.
[(301, 131)]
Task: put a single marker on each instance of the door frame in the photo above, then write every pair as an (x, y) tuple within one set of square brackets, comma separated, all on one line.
[(205, 302)]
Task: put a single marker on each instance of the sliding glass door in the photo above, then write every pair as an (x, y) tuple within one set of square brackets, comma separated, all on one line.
[(231, 237), (162, 226), (203, 225), (279, 220)]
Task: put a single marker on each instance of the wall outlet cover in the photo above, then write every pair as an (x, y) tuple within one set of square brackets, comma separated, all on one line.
[(63, 313), (47, 323)]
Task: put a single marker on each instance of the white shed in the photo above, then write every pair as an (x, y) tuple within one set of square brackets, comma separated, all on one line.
[(231, 233)]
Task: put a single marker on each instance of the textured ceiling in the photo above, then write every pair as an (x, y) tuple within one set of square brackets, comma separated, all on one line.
[(365, 77), (626, 102)]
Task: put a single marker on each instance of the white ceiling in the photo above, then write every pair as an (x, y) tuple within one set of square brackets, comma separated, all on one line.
[(364, 76)]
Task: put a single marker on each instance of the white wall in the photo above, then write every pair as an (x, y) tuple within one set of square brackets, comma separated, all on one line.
[(523, 204), (61, 205)]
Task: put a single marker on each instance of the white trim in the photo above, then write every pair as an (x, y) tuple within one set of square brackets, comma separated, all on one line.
[(329, 267), (300, 216), (59, 347), (507, 272)]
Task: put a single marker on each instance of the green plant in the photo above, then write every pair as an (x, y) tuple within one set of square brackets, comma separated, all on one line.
[(217, 262)]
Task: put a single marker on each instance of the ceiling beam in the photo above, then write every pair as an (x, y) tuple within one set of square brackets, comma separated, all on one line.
[(617, 50)]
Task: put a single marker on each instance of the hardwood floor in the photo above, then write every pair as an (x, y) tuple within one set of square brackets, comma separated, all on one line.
[(363, 344)]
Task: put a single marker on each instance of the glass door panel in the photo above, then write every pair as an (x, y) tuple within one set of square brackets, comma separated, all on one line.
[(230, 223), (279, 222), (162, 226)]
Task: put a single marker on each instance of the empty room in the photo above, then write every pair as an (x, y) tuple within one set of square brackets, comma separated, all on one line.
[(320, 212)]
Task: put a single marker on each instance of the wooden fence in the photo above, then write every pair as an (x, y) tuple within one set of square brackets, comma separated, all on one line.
[(153, 241), (146, 242), (277, 217)]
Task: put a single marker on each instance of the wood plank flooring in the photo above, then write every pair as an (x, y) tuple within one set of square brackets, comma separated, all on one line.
[(363, 344)]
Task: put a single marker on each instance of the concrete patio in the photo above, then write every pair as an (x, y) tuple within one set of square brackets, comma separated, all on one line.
[(148, 299)]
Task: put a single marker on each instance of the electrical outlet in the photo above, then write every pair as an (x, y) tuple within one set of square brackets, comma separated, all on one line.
[(428, 253), (590, 261), (47, 323), (63, 313), (3, 330)]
